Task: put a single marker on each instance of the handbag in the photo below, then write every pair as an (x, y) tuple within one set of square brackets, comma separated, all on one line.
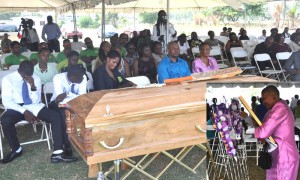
[(265, 158)]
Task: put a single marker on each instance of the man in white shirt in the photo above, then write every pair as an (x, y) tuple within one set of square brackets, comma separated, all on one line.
[(67, 86), (77, 45), (21, 97)]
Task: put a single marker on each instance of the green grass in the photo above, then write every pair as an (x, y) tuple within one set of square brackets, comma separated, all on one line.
[(35, 164)]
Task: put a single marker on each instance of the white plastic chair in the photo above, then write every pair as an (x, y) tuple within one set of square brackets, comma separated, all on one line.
[(140, 81), (268, 72), (27, 54), (195, 51), (281, 57), (2, 58), (241, 54), (13, 67), (90, 82), (216, 52)]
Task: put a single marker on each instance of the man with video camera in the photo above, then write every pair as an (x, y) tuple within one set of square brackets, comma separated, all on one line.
[(53, 32), (30, 34)]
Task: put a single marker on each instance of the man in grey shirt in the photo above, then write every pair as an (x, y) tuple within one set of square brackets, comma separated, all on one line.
[(294, 62), (53, 32)]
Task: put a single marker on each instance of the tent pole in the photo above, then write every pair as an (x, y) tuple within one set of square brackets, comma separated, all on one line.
[(134, 19), (168, 16), (103, 22), (74, 17)]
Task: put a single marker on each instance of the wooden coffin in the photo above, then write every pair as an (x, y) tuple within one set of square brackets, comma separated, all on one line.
[(140, 121)]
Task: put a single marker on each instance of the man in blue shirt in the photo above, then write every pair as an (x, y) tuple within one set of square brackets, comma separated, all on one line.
[(172, 66), (53, 32)]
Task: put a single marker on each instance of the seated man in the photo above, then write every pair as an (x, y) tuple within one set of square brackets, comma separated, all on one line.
[(43, 69), (34, 57), (172, 66), (212, 41), (72, 59), (16, 57), (89, 54), (77, 45), (67, 48), (21, 97), (292, 66), (5, 43), (265, 47)]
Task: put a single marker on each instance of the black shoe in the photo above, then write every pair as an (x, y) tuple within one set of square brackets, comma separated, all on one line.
[(11, 156), (56, 158), (68, 151)]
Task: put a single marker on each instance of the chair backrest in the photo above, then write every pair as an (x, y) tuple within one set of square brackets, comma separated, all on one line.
[(140, 81), (90, 82), (27, 54), (3, 56), (239, 54), (236, 49), (13, 67), (262, 57), (282, 56), (48, 88), (224, 39), (195, 50)]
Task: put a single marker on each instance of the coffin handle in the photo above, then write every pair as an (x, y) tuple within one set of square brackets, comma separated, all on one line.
[(198, 127), (121, 140)]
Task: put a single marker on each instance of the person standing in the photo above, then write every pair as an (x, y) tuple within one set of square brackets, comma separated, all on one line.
[(32, 37), (160, 29), (53, 33), (279, 123)]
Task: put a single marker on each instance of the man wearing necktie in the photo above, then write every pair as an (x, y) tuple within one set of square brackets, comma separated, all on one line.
[(67, 86), (21, 97)]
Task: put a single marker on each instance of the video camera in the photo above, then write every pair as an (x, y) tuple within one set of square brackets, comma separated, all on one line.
[(24, 23)]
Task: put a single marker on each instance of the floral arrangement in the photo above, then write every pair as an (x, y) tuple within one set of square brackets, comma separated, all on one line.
[(227, 120)]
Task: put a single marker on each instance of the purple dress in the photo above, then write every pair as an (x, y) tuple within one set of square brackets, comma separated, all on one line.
[(198, 66), (279, 123)]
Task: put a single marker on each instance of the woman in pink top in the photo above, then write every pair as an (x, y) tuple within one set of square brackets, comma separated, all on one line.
[(204, 63), (279, 123)]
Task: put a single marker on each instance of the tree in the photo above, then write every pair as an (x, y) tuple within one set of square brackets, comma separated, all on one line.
[(112, 18), (228, 13), (256, 11), (148, 17), (85, 21), (292, 14)]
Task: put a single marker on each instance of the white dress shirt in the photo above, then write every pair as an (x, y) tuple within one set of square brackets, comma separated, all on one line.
[(63, 85), (12, 94), (163, 31)]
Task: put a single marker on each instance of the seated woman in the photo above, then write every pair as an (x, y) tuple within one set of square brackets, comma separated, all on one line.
[(194, 41), (295, 42), (102, 53), (145, 65), (279, 45), (204, 63), (131, 55), (107, 76), (123, 65), (157, 52), (244, 35), (232, 42)]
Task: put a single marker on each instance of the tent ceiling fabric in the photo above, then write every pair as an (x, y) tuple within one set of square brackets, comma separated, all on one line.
[(118, 5)]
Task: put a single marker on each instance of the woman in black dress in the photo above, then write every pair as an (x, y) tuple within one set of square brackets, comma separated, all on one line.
[(107, 75), (145, 65)]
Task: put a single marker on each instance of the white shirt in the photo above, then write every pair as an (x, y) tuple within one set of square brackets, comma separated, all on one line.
[(77, 46), (62, 85), (183, 49), (12, 94), (163, 31), (262, 37)]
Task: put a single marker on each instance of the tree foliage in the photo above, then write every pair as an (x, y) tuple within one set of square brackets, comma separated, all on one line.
[(148, 17), (8, 15), (112, 18), (85, 21), (256, 11), (228, 13)]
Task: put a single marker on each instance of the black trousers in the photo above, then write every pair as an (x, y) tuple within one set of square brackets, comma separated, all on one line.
[(61, 111), (11, 117), (53, 45)]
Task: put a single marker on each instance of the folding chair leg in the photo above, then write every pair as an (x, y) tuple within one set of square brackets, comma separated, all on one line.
[(1, 147)]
